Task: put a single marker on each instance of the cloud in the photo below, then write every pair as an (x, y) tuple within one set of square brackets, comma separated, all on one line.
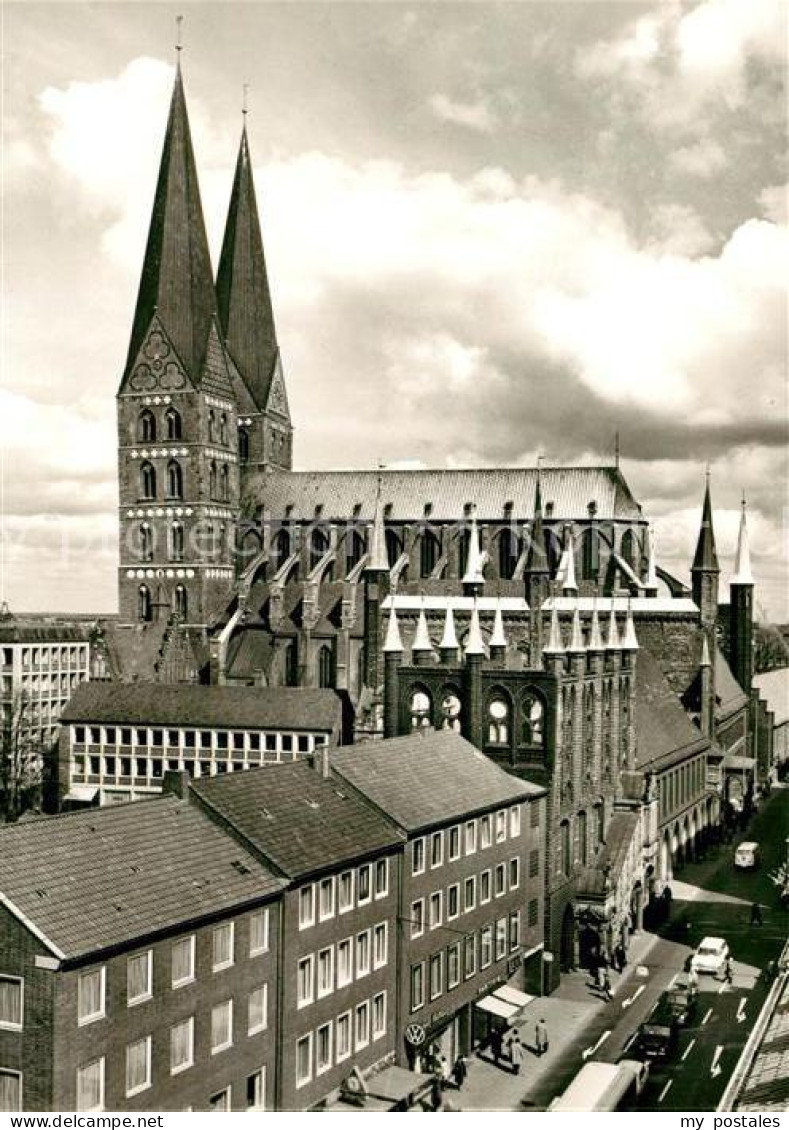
[(703, 159), (472, 115)]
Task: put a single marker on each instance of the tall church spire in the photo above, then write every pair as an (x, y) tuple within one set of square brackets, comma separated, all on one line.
[(705, 569), (243, 295), (177, 282), (742, 562)]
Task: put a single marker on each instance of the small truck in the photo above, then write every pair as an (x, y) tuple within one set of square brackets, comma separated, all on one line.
[(658, 1036)]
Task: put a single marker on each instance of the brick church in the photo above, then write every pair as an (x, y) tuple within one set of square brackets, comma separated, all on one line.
[(523, 607)]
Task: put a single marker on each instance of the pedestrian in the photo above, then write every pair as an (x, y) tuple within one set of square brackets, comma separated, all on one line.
[(516, 1054), (756, 914), (728, 971), (609, 996), (495, 1045), (435, 1093), (621, 956), (443, 1070), (541, 1036), (460, 1070)]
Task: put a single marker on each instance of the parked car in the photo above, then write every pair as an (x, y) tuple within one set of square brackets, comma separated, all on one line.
[(682, 996), (747, 856), (710, 957), (658, 1036)]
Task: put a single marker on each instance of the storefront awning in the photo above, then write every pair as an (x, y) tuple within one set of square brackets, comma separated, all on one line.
[(513, 996), (497, 1007), (82, 793)]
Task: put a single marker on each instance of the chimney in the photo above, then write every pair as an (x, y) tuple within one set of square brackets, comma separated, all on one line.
[(176, 783), (320, 760)]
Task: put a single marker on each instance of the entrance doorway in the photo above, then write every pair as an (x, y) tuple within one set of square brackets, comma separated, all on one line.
[(567, 953)]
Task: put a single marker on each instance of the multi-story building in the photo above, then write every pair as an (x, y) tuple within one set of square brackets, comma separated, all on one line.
[(118, 741), (139, 955), (337, 983), (471, 882)]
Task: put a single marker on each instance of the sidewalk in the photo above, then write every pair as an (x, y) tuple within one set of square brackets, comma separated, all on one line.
[(568, 1013)]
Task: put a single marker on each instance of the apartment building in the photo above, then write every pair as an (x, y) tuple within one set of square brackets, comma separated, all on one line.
[(119, 740), (471, 917), (138, 963)]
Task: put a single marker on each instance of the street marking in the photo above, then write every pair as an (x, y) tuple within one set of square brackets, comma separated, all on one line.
[(716, 1068), (664, 1092), (686, 1052), (600, 1042), (707, 1015), (629, 1000), (723, 988), (741, 1010)]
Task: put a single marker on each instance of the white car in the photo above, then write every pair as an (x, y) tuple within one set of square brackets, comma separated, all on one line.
[(710, 957)]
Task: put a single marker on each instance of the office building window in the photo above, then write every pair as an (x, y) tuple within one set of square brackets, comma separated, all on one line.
[(515, 821), (10, 1090), (417, 986), (326, 899), (418, 856), (381, 878), (436, 975), (417, 918), (11, 1003), (454, 842), (453, 965), (345, 891), (305, 977), (453, 900), (257, 1010), (343, 1036), (344, 968), (362, 1025), (220, 1101), (258, 932), (256, 1090), (323, 1042), (304, 1060), (435, 909), (470, 893), (436, 849), (183, 962), (182, 1046), (501, 938), (515, 930), (363, 953), (484, 887), (90, 1086), (138, 978), (379, 1015), (363, 887), (306, 906), (471, 837), (485, 834), (500, 880), (222, 953), (138, 1066), (485, 946), (469, 955), (221, 1026), (326, 972), (515, 872), (379, 946), (90, 996), (501, 826)]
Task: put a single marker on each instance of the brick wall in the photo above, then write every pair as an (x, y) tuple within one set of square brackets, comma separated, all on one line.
[(31, 1050)]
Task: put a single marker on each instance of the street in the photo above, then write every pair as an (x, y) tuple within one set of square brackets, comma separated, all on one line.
[(716, 900)]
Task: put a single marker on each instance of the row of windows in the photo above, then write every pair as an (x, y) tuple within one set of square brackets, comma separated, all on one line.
[(146, 425), (53, 685), (334, 967), (91, 989), (351, 888), (337, 1040), (461, 960), (493, 883), (150, 771), (455, 842), (679, 785), (239, 741), (47, 656)]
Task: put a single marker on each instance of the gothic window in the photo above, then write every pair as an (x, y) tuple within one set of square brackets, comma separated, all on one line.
[(508, 554), (146, 542), (589, 726), (243, 445), (421, 710), (393, 548), (319, 546), (600, 822), (147, 481), (146, 427), (212, 479), (325, 667), (176, 542), (498, 721), (211, 425), (564, 847), (355, 548), (281, 548), (582, 839), (175, 482), (429, 553), (291, 666), (173, 422), (219, 539), (144, 604), (629, 548), (450, 710), (533, 725), (590, 554), (553, 548), (463, 545), (223, 429), (224, 482), (624, 714), (180, 602)]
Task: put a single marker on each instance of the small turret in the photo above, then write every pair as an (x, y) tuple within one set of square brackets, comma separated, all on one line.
[(449, 647), (629, 641), (378, 561), (612, 641), (422, 648), (554, 646), (595, 635), (576, 645), (567, 565), (537, 573), (376, 576), (393, 653), (393, 643), (473, 578), (474, 644), (651, 582)]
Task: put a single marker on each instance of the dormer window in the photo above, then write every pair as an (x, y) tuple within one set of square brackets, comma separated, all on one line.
[(548, 509)]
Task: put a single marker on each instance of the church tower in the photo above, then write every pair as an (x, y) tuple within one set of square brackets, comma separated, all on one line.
[(741, 611), (705, 570), (177, 419), (265, 433)]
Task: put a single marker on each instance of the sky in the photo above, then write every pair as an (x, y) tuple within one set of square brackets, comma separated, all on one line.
[(493, 231)]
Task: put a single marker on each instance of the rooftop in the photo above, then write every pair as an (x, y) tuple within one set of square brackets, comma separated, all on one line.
[(774, 688), (162, 704), (303, 822), (662, 726), (428, 778), (91, 880)]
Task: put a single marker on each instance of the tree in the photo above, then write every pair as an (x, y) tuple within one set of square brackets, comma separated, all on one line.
[(781, 879), (21, 759), (770, 649)]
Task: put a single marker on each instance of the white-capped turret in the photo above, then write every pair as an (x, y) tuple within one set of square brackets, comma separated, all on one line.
[(475, 561), (554, 646), (474, 644), (449, 640), (742, 563), (498, 639), (393, 643), (629, 641), (422, 637), (612, 642), (378, 561), (595, 635), (567, 565), (576, 643), (651, 583)]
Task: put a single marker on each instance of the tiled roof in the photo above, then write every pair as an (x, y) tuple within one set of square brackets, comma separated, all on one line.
[(95, 879), (162, 704), (774, 689), (427, 778), (728, 692), (298, 819), (612, 855), (662, 725), (405, 494), (12, 631), (250, 650)]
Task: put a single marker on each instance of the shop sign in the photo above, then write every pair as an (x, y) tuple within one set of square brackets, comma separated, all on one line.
[(415, 1035)]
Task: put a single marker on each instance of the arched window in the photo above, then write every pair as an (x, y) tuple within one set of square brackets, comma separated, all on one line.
[(146, 542), (582, 839), (553, 548), (144, 604), (533, 713), (146, 426), (589, 727), (175, 482), (219, 539), (223, 429), (212, 479), (325, 667), (319, 545), (429, 553), (355, 548), (599, 811), (450, 710), (498, 721), (147, 481), (291, 666), (508, 554), (281, 548), (176, 542), (463, 545), (590, 554), (243, 445), (564, 847), (421, 710), (173, 421), (629, 548), (211, 425), (393, 548), (224, 482), (180, 602)]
